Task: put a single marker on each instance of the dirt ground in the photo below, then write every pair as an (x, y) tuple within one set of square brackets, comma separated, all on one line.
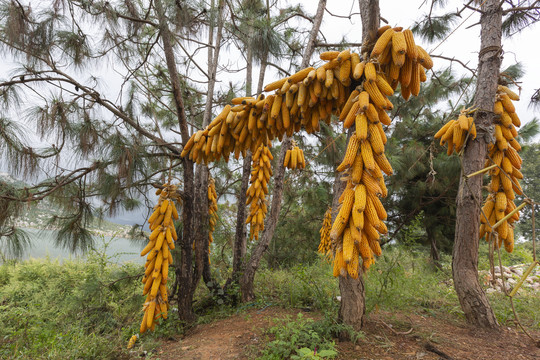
[(387, 336)]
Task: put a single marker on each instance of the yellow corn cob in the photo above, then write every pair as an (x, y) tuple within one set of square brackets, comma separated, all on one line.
[(372, 185), (363, 101), (367, 155), (356, 169), (381, 43), (375, 95), (344, 55), (384, 164), (412, 51), (348, 245), (398, 43), (507, 103), (359, 70), (512, 95), (360, 198), (275, 85), (375, 140), (383, 85), (350, 153), (325, 244), (300, 75), (361, 127), (423, 58), (345, 70), (370, 72), (339, 264)]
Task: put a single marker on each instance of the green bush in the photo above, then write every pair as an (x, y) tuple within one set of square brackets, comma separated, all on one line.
[(70, 310), (300, 339), (303, 286)]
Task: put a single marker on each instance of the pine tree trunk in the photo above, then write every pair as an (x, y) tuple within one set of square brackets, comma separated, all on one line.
[(353, 303), (184, 272), (246, 282), (472, 298)]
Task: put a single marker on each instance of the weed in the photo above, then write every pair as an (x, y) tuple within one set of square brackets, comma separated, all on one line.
[(292, 336)]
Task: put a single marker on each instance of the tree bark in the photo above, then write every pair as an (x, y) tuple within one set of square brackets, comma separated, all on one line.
[(472, 298), (246, 282), (184, 268)]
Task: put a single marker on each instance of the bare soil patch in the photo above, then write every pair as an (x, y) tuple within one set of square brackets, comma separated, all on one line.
[(387, 336)]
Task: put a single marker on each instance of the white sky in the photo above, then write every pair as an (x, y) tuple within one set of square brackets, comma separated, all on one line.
[(463, 44)]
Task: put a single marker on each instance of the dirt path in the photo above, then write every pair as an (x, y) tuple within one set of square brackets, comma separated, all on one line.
[(387, 336)]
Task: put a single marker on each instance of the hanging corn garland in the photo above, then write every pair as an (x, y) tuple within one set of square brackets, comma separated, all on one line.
[(256, 193), (395, 60), (158, 251), (325, 246)]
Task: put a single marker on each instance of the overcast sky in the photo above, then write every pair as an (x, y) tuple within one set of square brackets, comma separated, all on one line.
[(463, 44)]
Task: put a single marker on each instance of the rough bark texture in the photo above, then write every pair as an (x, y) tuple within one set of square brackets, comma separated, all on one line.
[(353, 302), (184, 268), (370, 14), (246, 282), (465, 255)]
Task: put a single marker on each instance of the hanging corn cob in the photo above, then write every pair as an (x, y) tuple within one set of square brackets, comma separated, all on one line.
[(395, 60), (212, 211), (294, 158), (158, 251), (256, 193), (456, 132), (504, 185), (325, 246)]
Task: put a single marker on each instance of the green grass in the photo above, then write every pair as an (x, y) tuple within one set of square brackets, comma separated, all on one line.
[(73, 310)]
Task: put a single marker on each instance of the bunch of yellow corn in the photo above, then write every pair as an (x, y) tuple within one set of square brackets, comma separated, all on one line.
[(161, 242), (294, 158), (299, 101), (346, 85), (455, 132), (257, 191), (212, 210), (401, 60), (505, 176), (325, 246), (395, 60)]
